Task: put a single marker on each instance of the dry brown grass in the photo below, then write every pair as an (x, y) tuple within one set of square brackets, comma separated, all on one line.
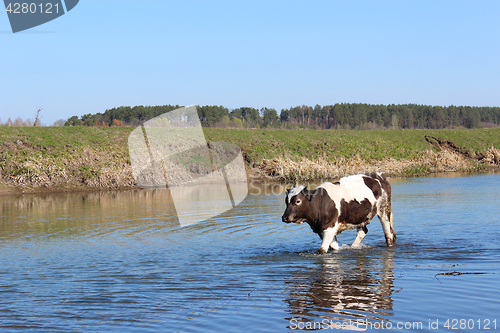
[(91, 167), (492, 156), (99, 169), (306, 169)]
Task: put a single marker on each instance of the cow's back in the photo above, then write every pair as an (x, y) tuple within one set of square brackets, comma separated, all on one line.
[(348, 189)]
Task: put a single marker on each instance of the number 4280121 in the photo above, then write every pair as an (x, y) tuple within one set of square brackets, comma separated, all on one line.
[(462, 324), (32, 8)]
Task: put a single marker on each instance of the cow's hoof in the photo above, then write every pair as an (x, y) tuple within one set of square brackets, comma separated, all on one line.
[(321, 251), (390, 242)]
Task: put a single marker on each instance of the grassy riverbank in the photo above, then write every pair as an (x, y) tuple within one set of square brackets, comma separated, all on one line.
[(77, 158), (308, 154), (64, 158)]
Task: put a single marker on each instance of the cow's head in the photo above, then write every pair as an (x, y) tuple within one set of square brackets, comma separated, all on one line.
[(297, 205)]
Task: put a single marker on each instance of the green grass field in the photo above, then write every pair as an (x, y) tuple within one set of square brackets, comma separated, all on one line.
[(98, 156), (56, 144), (67, 139), (373, 145)]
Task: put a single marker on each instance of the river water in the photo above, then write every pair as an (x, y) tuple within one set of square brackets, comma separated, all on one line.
[(119, 261)]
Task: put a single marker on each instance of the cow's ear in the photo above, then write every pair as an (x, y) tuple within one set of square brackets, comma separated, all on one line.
[(307, 194), (304, 191)]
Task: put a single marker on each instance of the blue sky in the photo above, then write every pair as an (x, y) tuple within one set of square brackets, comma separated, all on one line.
[(277, 54)]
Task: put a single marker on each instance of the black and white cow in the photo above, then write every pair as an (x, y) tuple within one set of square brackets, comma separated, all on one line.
[(350, 203)]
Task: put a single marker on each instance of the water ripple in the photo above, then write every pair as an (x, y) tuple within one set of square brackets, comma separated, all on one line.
[(120, 262)]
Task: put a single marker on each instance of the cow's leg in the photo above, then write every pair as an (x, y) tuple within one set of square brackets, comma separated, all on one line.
[(334, 244), (328, 235), (360, 236), (392, 228), (385, 218)]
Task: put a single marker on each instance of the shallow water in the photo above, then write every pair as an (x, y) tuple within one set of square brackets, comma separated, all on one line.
[(119, 261)]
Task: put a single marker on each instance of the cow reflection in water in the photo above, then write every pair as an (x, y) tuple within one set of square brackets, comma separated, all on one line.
[(346, 286)]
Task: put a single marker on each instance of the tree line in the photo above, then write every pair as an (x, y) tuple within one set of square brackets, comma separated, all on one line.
[(19, 122), (338, 116)]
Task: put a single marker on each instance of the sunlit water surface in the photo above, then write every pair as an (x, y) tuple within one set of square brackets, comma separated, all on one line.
[(119, 261)]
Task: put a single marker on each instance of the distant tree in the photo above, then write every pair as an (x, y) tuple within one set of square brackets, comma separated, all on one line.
[(102, 123), (440, 117), (251, 114), (237, 123), (70, 121), (37, 121), (59, 122), (211, 114), (88, 119), (317, 115), (471, 117), (18, 122), (303, 109), (236, 113), (118, 123), (337, 116), (269, 117), (89, 122), (73, 121), (225, 122), (453, 116), (250, 117), (284, 115)]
